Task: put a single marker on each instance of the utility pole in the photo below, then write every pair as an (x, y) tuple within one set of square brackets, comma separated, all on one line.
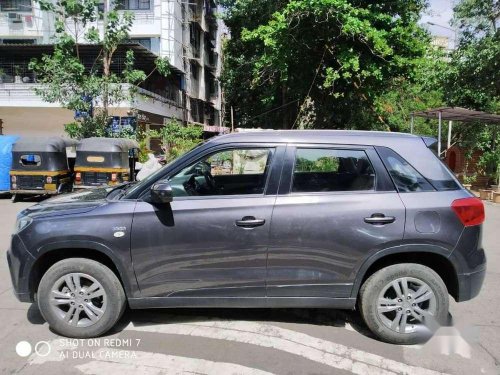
[(232, 119)]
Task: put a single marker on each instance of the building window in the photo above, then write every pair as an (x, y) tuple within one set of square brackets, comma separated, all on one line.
[(15, 6), (17, 41), (194, 71), (133, 4), (145, 42), (195, 37)]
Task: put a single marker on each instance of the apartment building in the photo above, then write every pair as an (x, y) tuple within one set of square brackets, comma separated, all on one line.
[(187, 32)]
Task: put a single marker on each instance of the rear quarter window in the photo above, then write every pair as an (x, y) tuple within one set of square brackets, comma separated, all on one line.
[(408, 179)]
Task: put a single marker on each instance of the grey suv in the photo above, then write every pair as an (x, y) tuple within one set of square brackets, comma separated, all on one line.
[(289, 219)]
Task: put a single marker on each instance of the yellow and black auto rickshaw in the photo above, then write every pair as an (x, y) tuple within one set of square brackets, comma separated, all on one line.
[(105, 161), (40, 166)]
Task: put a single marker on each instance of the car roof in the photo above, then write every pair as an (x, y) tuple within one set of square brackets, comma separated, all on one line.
[(42, 144), (354, 137)]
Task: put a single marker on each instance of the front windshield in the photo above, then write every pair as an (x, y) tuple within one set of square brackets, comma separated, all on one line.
[(155, 175)]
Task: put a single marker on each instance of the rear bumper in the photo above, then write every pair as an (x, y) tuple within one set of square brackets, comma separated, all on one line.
[(469, 285), (470, 262), (34, 192), (20, 262)]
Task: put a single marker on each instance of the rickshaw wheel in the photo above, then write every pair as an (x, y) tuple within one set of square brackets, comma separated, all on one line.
[(14, 198)]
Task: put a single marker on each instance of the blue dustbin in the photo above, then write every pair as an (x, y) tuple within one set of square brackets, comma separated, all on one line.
[(6, 142)]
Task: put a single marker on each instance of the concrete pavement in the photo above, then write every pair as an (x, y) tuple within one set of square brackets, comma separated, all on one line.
[(287, 341)]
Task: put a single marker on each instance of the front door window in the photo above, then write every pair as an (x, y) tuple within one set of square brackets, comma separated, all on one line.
[(227, 172)]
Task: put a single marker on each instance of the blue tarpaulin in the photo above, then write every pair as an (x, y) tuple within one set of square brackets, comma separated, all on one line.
[(6, 142)]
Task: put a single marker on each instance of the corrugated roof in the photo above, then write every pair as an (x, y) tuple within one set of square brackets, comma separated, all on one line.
[(458, 114)]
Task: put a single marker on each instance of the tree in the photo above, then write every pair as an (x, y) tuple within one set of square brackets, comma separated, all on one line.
[(473, 79), (177, 139), (89, 90), (422, 91), (325, 59)]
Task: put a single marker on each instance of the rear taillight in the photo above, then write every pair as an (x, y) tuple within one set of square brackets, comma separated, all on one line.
[(470, 211), (113, 177), (78, 177)]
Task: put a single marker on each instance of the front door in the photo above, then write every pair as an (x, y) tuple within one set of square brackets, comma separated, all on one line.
[(335, 207), (212, 240)]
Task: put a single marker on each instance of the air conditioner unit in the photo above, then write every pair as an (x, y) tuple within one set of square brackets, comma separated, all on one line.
[(15, 18)]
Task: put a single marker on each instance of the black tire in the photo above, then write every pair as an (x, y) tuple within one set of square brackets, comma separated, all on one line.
[(115, 305), (374, 286)]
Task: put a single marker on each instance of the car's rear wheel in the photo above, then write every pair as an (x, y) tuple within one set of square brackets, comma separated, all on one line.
[(404, 303), (80, 298)]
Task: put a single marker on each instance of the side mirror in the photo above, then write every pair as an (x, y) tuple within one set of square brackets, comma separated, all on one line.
[(161, 192)]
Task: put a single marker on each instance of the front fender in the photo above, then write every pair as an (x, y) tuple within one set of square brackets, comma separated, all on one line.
[(121, 261)]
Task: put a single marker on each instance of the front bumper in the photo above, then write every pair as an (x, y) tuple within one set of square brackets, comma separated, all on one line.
[(20, 263)]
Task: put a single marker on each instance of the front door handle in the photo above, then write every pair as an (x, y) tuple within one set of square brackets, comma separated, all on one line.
[(380, 219), (250, 222)]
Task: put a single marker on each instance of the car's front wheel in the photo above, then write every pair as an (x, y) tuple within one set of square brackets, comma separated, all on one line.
[(404, 303), (80, 298)]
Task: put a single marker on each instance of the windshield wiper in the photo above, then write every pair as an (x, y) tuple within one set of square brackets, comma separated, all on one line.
[(124, 189)]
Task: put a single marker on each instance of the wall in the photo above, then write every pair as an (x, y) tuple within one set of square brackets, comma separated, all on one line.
[(39, 121)]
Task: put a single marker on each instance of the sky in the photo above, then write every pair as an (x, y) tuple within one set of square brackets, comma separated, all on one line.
[(440, 12)]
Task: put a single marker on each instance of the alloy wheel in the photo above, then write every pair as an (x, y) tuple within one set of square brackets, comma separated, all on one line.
[(78, 299), (406, 305)]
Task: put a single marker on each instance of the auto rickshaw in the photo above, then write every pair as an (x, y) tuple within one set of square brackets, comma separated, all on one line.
[(40, 166), (105, 161)]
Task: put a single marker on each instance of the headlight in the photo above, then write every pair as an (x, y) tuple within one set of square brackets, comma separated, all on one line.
[(22, 223)]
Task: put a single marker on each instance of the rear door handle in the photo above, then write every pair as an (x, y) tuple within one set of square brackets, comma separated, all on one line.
[(380, 219), (250, 222)]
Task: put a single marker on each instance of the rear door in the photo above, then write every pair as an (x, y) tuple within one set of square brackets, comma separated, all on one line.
[(336, 206)]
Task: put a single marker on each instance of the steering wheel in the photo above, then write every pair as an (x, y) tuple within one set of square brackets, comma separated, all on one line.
[(210, 180), (192, 187)]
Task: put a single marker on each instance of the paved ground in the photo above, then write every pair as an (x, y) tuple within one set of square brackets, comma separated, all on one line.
[(250, 341)]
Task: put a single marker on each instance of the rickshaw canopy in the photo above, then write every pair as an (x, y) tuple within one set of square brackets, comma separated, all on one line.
[(106, 145), (43, 144)]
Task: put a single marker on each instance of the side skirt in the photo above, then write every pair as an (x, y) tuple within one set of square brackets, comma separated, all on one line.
[(242, 302)]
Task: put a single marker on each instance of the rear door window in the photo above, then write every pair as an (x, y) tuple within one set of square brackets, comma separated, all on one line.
[(332, 170)]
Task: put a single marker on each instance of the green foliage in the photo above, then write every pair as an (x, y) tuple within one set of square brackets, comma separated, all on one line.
[(404, 95), (323, 164), (340, 55), (177, 139), (472, 79)]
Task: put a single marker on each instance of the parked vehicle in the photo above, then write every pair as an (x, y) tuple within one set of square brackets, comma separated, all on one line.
[(290, 219), (40, 166), (6, 142), (105, 161)]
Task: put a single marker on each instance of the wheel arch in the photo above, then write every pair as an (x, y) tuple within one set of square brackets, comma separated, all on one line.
[(435, 257), (53, 253)]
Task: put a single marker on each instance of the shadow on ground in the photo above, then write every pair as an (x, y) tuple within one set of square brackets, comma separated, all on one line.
[(319, 317)]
